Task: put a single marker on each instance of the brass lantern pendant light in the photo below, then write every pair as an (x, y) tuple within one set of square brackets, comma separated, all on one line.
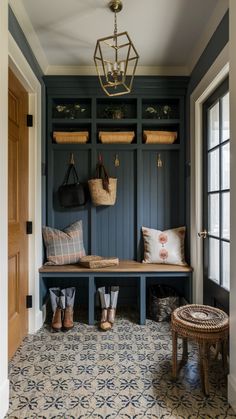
[(116, 59)]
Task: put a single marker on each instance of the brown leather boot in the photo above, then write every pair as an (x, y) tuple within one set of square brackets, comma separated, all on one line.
[(104, 324), (68, 318), (111, 315), (57, 319)]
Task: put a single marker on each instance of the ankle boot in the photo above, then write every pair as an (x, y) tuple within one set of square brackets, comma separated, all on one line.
[(68, 318), (57, 319), (112, 309), (69, 308), (105, 302), (56, 309)]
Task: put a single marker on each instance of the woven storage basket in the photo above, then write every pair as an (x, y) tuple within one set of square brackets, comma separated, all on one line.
[(99, 195), (159, 137), (116, 137), (70, 137), (96, 262)]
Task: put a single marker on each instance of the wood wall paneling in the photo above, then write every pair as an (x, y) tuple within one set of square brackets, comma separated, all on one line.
[(146, 195), (116, 224), (64, 217)]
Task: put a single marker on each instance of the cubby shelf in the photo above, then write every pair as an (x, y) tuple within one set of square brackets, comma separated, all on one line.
[(100, 146), (72, 122), (160, 122), (71, 146), (117, 122), (169, 147), (116, 146)]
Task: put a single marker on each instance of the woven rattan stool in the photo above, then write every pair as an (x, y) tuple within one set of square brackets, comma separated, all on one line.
[(205, 325)]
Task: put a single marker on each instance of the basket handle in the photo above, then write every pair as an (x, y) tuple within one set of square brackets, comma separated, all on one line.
[(101, 173)]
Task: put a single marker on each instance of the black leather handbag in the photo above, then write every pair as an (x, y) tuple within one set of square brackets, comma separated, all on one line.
[(71, 195)]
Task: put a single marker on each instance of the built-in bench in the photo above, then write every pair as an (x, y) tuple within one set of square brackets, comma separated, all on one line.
[(126, 269)]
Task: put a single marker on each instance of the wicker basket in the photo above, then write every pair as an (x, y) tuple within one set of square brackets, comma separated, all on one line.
[(96, 262), (99, 195), (70, 137), (116, 137), (159, 137)]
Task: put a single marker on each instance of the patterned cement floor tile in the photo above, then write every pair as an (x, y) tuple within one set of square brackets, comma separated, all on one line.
[(124, 373)]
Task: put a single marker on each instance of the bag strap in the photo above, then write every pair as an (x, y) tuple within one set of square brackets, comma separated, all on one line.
[(101, 173), (71, 170)]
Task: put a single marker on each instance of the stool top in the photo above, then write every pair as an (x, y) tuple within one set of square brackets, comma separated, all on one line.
[(201, 317)]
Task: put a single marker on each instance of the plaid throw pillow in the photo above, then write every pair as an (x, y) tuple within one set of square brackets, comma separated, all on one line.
[(64, 247)]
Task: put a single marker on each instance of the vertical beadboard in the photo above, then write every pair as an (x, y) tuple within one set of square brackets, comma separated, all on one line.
[(161, 190), (64, 217), (115, 224)]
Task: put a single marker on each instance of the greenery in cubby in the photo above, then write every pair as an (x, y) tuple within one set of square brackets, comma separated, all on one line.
[(116, 109), (70, 109), (160, 109)]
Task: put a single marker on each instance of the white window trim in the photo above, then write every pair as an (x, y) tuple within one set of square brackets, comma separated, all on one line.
[(25, 75), (212, 79)]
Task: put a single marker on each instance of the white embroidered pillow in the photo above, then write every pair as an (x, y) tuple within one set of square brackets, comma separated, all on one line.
[(164, 246)]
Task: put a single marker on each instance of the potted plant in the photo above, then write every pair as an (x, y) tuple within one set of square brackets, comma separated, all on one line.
[(114, 112)]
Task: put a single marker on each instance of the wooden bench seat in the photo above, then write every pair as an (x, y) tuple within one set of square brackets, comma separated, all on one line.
[(126, 268)]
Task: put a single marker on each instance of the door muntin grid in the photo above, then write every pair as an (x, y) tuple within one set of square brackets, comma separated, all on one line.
[(218, 190)]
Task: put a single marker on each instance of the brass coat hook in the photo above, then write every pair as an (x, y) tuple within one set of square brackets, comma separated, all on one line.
[(117, 161), (72, 160), (159, 161)]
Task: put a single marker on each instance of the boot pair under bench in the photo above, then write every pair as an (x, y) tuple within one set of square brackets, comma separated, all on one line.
[(62, 302)]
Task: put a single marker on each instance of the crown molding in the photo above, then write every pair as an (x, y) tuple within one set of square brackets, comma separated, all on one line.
[(29, 32), (53, 70), (217, 15)]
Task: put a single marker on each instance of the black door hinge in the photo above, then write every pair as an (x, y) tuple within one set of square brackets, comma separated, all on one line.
[(29, 302), (29, 120), (29, 227)]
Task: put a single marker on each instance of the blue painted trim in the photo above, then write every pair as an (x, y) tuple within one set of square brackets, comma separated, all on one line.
[(217, 42), (23, 44), (91, 297), (142, 300)]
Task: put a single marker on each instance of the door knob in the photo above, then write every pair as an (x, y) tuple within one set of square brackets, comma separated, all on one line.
[(203, 234)]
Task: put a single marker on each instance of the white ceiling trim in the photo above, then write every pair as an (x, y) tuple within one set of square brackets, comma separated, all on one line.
[(140, 71), (217, 15), (29, 32)]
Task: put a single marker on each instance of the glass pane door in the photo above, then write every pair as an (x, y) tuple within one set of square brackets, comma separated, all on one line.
[(217, 197)]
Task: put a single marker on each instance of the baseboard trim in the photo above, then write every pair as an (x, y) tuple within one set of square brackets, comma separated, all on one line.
[(35, 321), (4, 397), (232, 391), (38, 320)]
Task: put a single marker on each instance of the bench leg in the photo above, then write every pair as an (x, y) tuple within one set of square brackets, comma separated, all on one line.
[(91, 294), (142, 300)]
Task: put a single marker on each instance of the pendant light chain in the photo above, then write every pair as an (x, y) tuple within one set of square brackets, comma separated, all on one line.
[(115, 24)]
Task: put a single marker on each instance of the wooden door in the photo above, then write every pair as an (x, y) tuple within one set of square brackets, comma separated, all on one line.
[(216, 208), (17, 213)]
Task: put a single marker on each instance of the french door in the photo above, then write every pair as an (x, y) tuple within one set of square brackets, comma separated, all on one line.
[(216, 200)]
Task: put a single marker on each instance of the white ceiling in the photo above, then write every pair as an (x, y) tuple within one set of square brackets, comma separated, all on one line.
[(165, 32)]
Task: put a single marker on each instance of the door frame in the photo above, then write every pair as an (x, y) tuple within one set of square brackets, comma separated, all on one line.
[(212, 79), (22, 70)]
